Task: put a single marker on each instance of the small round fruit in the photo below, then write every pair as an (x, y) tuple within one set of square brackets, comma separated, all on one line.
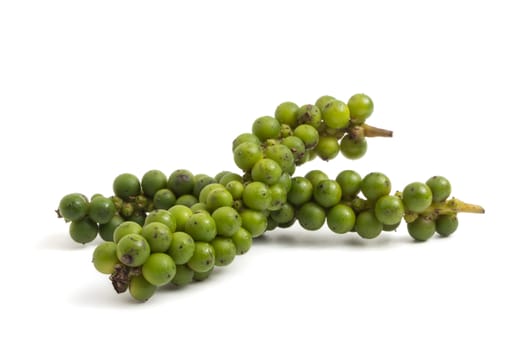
[(164, 199), (367, 225), (153, 181), (446, 225), (336, 114), (201, 227), (327, 193), (417, 197), (73, 206), (242, 240), (217, 198), (257, 196), (308, 134), (361, 107), (203, 258), (266, 128), (126, 186), (311, 216), (181, 248), (340, 218), (126, 228), (159, 269), (225, 251), (389, 210), (106, 230), (181, 214), (422, 228), (246, 155), (327, 148), (254, 222), (105, 257), (375, 185), (101, 210), (228, 221), (301, 191), (440, 188), (133, 250), (181, 182), (163, 216), (353, 148), (83, 231), (158, 236), (183, 276), (286, 113), (140, 289), (350, 182)]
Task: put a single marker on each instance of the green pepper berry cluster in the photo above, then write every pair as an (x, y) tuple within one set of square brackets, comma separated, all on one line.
[(176, 229)]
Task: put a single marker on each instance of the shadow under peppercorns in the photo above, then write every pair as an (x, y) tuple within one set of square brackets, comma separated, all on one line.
[(301, 238)]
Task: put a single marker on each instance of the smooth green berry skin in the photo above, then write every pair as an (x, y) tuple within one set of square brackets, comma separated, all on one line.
[(246, 155), (229, 178), (228, 221), (327, 148), (126, 228), (308, 134), (421, 229), (105, 257), (159, 269), (181, 182), (361, 107), (163, 216), (158, 235), (181, 248), (219, 198), (245, 137), (254, 222), (140, 289), (311, 216), (336, 114), (353, 148), (440, 188), (153, 181), (236, 189), (278, 197), (267, 171), (446, 225), (350, 182), (83, 231), (323, 100), (283, 215), (186, 200), (327, 193), (164, 199), (266, 128), (286, 113), (367, 225), (282, 155), (340, 218), (257, 196), (180, 213), (204, 193), (316, 176), (417, 197), (126, 186), (201, 227), (389, 210), (309, 114), (133, 250), (225, 251), (242, 240), (389, 228), (101, 210), (106, 230), (199, 208), (375, 185), (300, 192), (203, 258), (73, 207), (201, 181), (183, 276)]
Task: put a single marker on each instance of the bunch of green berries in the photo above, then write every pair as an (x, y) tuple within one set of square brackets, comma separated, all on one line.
[(161, 230)]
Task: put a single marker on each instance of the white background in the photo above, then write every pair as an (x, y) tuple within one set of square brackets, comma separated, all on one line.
[(91, 89)]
